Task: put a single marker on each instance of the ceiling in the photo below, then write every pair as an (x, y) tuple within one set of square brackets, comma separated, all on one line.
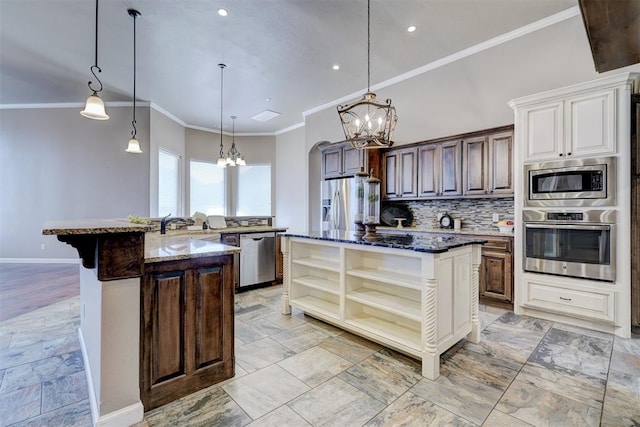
[(281, 50)]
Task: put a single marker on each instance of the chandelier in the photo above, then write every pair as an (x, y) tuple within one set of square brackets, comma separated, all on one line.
[(233, 155), (368, 123)]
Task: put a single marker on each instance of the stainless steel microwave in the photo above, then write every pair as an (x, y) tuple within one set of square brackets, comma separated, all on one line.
[(576, 182)]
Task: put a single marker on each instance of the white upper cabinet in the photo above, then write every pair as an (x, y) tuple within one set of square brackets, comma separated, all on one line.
[(579, 126)]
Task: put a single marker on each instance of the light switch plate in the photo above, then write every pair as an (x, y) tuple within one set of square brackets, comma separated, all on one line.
[(496, 217)]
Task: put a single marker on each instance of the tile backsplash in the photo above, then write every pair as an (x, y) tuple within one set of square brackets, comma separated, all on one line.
[(474, 213)]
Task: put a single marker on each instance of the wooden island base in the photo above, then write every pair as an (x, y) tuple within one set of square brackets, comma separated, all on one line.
[(417, 302)]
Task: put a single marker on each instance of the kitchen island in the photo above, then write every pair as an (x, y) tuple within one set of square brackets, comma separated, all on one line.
[(156, 317), (416, 295)]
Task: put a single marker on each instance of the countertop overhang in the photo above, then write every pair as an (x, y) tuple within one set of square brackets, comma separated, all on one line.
[(168, 247), (398, 241)]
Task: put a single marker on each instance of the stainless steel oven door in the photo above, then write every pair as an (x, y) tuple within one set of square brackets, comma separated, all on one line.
[(575, 250)]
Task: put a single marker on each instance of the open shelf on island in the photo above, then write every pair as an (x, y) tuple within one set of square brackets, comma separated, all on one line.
[(322, 284), (393, 332), (397, 305), (316, 305), (321, 263), (387, 276)]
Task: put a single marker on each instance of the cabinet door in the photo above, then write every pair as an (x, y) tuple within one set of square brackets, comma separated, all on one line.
[(332, 162), (544, 131), (501, 164), (496, 276), (590, 124), (451, 171), (428, 170), (390, 189), (352, 159), (408, 173), (476, 168)]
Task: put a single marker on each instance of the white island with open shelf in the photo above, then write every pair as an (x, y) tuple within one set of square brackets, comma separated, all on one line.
[(416, 295)]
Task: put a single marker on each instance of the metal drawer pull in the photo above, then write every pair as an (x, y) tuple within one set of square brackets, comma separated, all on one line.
[(565, 299)]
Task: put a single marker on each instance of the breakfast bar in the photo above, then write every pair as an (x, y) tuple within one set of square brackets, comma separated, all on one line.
[(156, 318), (417, 295)]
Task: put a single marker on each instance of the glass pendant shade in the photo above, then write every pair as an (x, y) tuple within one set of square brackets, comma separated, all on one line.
[(241, 162), (368, 123), (361, 182), (372, 201), (94, 108), (222, 161), (133, 146)]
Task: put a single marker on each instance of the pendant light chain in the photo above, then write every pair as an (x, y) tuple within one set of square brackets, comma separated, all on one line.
[(133, 123), (95, 66), (222, 66), (368, 45)]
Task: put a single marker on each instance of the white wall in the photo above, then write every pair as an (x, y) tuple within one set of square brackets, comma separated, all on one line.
[(169, 135), (291, 181), (56, 164)]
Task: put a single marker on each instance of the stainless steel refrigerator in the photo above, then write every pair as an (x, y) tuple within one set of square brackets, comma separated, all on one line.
[(338, 204)]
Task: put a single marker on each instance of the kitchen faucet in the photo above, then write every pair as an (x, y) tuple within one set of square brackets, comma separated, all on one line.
[(166, 220)]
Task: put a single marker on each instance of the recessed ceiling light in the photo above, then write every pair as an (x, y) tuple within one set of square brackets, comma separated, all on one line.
[(265, 115), (267, 99), (223, 12), (411, 28), (336, 67)]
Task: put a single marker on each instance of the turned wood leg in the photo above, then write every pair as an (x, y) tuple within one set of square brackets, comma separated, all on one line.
[(430, 356), (474, 336), (285, 307)]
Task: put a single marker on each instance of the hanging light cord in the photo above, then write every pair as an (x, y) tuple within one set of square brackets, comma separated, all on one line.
[(368, 45), (95, 67), (134, 14), (221, 99)]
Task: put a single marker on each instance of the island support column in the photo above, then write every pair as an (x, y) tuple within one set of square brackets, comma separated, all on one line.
[(476, 257), (285, 307)]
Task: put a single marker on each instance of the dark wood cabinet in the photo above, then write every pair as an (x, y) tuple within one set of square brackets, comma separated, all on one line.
[(440, 169), (400, 173), (186, 331), (496, 269), (488, 165), (341, 160)]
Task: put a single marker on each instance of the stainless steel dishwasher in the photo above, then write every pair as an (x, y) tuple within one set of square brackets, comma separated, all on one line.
[(257, 258)]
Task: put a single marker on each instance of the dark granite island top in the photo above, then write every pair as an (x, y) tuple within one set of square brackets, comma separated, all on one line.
[(398, 241)]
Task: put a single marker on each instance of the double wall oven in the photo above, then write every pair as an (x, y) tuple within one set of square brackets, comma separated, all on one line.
[(568, 234)]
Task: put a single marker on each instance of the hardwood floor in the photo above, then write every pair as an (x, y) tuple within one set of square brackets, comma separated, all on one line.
[(26, 287)]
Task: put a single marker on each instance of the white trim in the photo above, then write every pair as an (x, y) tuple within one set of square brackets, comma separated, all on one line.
[(289, 129), (39, 261), (167, 114), (87, 370), (69, 105), (503, 38), (226, 133)]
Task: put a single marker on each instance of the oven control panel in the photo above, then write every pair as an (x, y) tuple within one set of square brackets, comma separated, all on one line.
[(565, 216)]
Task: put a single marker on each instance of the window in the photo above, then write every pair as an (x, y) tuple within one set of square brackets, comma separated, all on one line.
[(207, 188), (169, 183), (254, 190)]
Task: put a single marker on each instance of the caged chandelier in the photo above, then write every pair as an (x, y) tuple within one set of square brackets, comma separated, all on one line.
[(368, 123)]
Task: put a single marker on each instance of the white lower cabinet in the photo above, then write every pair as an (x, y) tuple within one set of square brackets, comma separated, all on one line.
[(590, 303), (415, 302)]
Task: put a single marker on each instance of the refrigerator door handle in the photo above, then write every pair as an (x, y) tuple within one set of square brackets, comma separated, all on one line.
[(335, 210)]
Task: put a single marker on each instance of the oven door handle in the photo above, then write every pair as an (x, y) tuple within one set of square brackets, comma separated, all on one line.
[(568, 227)]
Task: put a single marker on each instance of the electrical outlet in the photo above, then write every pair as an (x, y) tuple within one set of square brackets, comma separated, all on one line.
[(42, 247), (439, 216), (496, 217), (244, 223)]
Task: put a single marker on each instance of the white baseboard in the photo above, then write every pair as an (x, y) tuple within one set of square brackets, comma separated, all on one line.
[(39, 260), (126, 416)]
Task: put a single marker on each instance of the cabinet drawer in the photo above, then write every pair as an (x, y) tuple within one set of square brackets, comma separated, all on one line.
[(590, 304), (498, 245)]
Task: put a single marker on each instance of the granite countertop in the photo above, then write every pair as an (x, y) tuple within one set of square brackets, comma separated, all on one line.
[(171, 247), (463, 231), (251, 229), (92, 226), (397, 241)]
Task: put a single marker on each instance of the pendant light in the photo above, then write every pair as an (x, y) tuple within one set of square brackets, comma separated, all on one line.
[(134, 145), (94, 107), (368, 123), (234, 158), (222, 160)]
